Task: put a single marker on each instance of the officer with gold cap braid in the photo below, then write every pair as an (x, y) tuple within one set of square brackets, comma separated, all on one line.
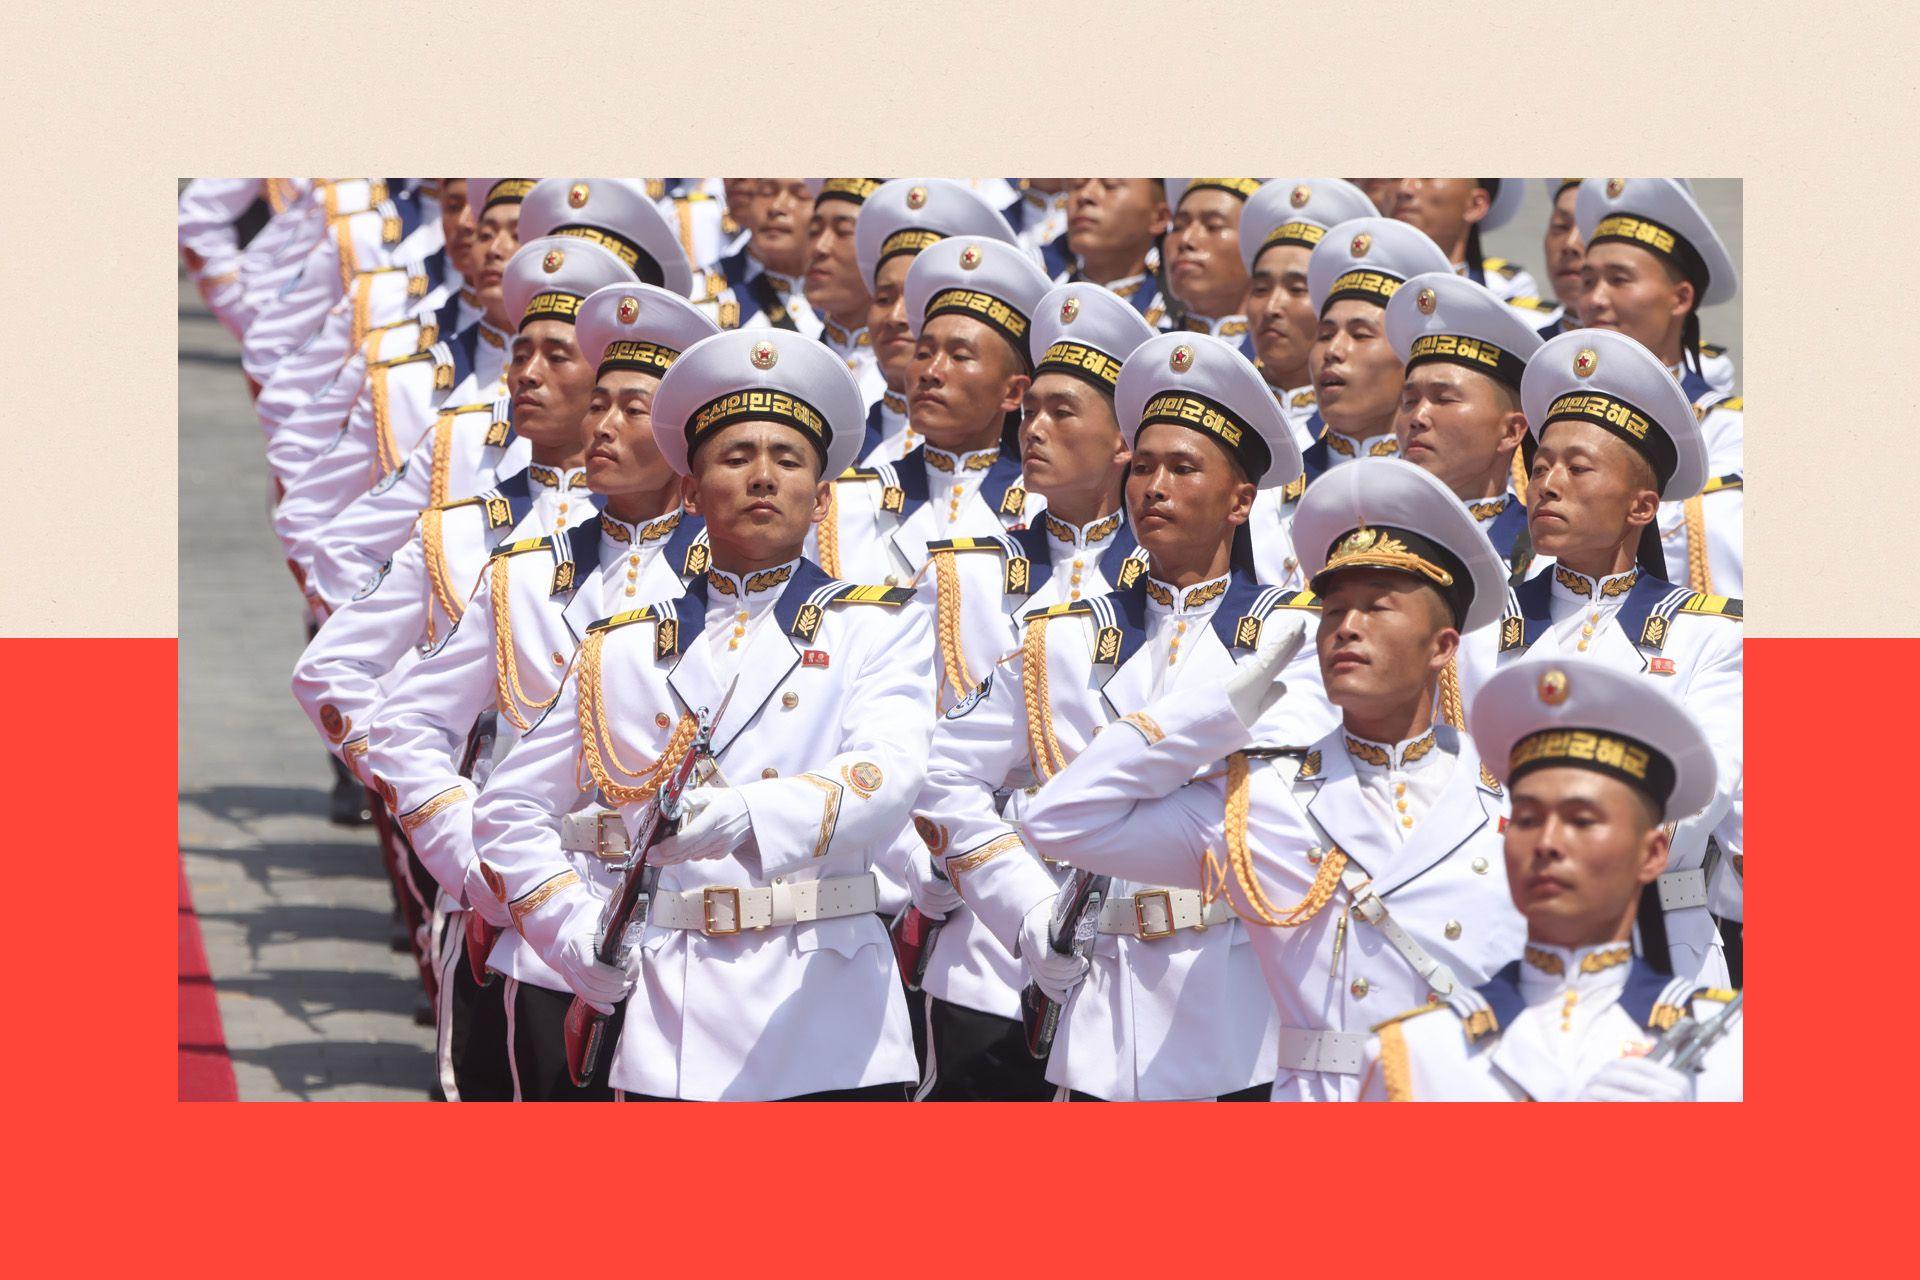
[(1459, 416), (1115, 229), (763, 277), (835, 287), (1614, 438), (898, 220), (1454, 212), (970, 302), (1600, 765), (1169, 985), (501, 668), (1205, 275), (1074, 456), (764, 972), (455, 459), (1652, 261), (1365, 869)]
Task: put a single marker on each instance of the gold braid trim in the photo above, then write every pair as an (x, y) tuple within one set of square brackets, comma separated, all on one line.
[(442, 447), (1043, 749), (537, 897), (506, 659), (436, 558), (1395, 1069), (829, 535), (1519, 476), (947, 580), (362, 301), (594, 736), (343, 241), (1450, 708), (1699, 572), (411, 822), (1240, 858), (386, 451)]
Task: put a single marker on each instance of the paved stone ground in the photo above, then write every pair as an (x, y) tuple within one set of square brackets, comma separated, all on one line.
[(295, 912)]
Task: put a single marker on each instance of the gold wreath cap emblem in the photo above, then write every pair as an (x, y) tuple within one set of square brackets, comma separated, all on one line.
[(1068, 310), (1361, 243), (1356, 542), (629, 309), (1182, 359), (551, 263), (916, 198), (764, 355), (1427, 301), (1301, 194), (1553, 687), (577, 194), (1585, 361)]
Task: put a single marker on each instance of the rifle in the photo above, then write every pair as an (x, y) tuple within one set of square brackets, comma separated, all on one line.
[(624, 917), (1684, 1046), (914, 933), (1076, 921)]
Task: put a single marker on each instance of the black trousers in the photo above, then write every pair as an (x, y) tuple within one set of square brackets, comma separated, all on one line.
[(477, 1026), (870, 1093), (980, 1057), (1255, 1093), (539, 1047), (1732, 946)]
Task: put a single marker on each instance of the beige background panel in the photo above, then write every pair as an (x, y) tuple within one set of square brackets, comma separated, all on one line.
[(100, 120)]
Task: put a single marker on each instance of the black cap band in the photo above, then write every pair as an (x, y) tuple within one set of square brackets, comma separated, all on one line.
[(1631, 424), (1397, 550), (642, 357), (1214, 420), (1617, 756), (996, 313), (1242, 188), (1086, 363), (855, 189), (908, 241), (1474, 353), (1657, 239), (1369, 284), (1304, 234), (506, 191), (637, 260), (556, 305), (759, 404)]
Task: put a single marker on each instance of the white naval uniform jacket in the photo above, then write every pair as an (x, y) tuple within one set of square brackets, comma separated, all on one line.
[(552, 590), (1123, 808), (1181, 1016), (1722, 504), (994, 581), (1540, 1029), (470, 448), (889, 436), (396, 409), (412, 604), (270, 261), (1688, 641), (305, 432), (1503, 279), (855, 349), (823, 720)]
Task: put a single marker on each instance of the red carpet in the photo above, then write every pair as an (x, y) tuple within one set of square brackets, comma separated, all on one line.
[(206, 1074)]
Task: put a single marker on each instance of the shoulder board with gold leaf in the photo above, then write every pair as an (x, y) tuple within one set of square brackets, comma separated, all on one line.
[(525, 544), (1298, 600), (1488, 781), (1414, 1012), (1718, 483), (1714, 606), (1309, 767), (644, 613), (1530, 304), (854, 593)]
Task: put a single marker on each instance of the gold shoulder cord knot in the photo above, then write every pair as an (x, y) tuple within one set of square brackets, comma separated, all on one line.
[(1240, 859), (442, 467), (436, 557), (1519, 476), (386, 451), (1396, 1071), (1043, 748), (947, 582), (510, 697), (594, 737), (1450, 707), (1699, 572), (828, 537)]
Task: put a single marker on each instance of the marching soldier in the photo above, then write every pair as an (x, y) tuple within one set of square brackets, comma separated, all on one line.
[(896, 222), (1172, 1005), (1653, 260), (1113, 238), (1365, 869), (1453, 212), (1459, 417), (1615, 438), (1202, 255), (1074, 456), (764, 972), (835, 288), (1597, 761), (503, 665)]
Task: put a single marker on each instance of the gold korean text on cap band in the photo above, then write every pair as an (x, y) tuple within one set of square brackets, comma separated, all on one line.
[(507, 191), (909, 241), (552, 306), (1663, 241), (1474, 353), (1304, 234), (987, 309), (1084, 362), (1210, 417), (1626, 759), (631, 255), (1624, 420), (646, 357), (854, 189), (760, 404), (1241, 187), (1365, 283)]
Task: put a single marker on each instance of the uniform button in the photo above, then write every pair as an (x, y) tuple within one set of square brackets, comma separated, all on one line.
[(1401, 805), (1406, 822), (789, 700), (1452, 930), (769, 773), (1079, 564), (1582, 646), (631, 591), (1075, 594), (1479, 866), (893, 579), (1359, 988), (661, 719)]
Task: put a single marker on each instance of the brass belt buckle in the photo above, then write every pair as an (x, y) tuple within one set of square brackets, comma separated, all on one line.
[(707, 898), (1140, 913), (600, 829)]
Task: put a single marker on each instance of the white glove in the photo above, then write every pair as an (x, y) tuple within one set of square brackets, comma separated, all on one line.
[(1638, 1080), (933, 896), (1056, 975), (601, 986), (1255, 684), (714, 824), (481, 897)]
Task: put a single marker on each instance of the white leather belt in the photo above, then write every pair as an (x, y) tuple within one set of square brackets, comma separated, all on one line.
[(1159, 913), (1681, 889), (1340, 1052), (719, 910), (598, 833)]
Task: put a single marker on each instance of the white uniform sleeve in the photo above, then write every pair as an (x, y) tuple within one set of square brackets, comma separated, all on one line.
[(303, 434)]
